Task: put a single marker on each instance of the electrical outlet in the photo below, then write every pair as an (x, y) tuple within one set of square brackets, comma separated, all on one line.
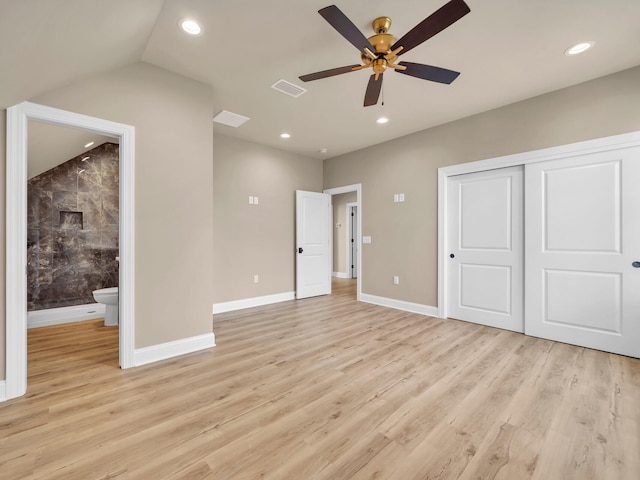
[(396, 198), (366, 239), (256, 279), (396, 280), (256, 200), (250, 200)]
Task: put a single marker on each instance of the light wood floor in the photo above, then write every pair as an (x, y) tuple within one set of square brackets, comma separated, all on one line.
[(325, 388)]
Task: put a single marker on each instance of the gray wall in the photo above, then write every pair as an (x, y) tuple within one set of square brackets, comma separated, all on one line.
[(258, 239), (404, 235)]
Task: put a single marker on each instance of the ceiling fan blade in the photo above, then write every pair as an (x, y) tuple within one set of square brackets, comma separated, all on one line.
[(345, 27), (428, 72), (432, 25), (373, 90), (327, 73)]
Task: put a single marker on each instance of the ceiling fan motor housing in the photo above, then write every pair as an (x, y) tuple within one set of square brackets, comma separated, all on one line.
[(382, 40)]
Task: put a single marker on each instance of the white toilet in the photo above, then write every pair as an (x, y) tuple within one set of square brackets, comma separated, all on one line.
[(109, 297)]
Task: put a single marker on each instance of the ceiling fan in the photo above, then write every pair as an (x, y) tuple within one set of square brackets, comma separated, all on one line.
[(379, 51)]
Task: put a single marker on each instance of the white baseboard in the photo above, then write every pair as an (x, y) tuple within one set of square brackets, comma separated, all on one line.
[(155, 353), (400, 305), (340, 275), (252, 302), (3, 390), (57, 316)]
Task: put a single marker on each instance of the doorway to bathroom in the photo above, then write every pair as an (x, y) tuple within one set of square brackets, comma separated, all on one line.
[(72, 223), (19, 119)]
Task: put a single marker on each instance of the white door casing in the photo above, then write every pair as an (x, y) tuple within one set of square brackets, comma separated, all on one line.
[(485, 248), (352, 240), (582, 237), (16, 224), (313, 244)]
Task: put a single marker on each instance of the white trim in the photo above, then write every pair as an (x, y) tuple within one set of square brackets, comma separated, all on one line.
[(3, 391), (442, 243), (340, 275), (356, 187), (563, 151), (58, 316), (163, 351), (252, 302), (16, 232), (351, 205), (401, 305)]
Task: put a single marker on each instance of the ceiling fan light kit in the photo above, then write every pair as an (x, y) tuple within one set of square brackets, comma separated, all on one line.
[(380, 52)]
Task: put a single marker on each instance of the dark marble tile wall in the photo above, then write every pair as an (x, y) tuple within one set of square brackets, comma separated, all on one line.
[(72, 236)]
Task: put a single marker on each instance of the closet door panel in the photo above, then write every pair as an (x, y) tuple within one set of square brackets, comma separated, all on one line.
[(582, 239), (485, 278)]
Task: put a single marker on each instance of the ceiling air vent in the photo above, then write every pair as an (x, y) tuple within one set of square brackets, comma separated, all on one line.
[(230, 119), (288, 88)]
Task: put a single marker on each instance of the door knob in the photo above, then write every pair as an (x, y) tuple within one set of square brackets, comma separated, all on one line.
[(300, 250), (452, 256), (635, 264)]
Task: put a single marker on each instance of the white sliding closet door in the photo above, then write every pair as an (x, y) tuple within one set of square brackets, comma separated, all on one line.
[(583, 250), (484, 257)]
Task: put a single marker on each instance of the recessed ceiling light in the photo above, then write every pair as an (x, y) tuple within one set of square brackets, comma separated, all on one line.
[(579, 48), (285, 135), (190, 26), (382, 120), (323, 150), (89, 144)]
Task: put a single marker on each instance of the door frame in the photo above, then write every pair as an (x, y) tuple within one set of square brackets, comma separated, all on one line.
[(580, 148), (350, 235), (16, 232), (356, 187)]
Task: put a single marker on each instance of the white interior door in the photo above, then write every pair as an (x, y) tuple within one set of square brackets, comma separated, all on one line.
[(583, 237), (313, 242), (485, 248)]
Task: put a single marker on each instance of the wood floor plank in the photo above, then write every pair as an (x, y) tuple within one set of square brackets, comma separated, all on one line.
[(325, 388)]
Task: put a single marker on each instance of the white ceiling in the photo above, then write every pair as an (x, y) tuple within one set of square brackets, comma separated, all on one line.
[(507, 50)]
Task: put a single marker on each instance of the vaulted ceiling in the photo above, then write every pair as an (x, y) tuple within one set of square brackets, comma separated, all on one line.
[(506, 50)]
